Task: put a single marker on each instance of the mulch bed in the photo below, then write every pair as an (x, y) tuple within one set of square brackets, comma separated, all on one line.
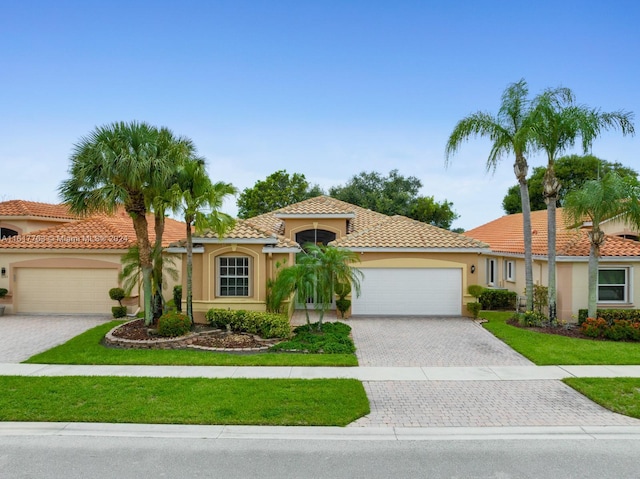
[(569, 330), (208, 337)]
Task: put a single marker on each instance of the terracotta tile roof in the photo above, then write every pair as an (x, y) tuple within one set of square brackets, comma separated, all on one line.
[(402, 232), (96, 232), (318, 206), (22, 208), (505, 235), (244, 230)]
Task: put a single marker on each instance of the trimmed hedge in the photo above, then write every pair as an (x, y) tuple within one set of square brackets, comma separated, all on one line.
[(611, 315), (266, 325), (119, 311), (498, 299)]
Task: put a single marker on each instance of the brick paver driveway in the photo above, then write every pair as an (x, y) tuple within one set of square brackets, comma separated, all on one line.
[(444, 342), (22, 336)]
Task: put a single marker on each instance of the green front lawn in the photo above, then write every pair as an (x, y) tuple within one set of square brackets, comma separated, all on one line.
[(549, 349), (275, 402), (621, 395), (86, 349)]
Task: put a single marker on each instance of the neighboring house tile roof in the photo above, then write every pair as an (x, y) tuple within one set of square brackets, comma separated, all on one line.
[(96, 232), (402, 232), (22, 208), (505, 235)]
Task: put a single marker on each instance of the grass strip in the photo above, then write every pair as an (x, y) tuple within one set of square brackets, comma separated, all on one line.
[(621, 395), (274, 402), (549, 349), (86, 349)]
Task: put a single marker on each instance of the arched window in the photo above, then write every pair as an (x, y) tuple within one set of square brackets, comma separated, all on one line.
[(7, 233), (323, 237)]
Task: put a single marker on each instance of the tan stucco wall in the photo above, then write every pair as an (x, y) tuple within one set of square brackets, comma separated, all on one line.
[(618, 227), (26, 226)]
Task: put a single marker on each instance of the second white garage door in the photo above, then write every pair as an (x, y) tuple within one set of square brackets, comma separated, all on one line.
[(409, 291), (65, 290)]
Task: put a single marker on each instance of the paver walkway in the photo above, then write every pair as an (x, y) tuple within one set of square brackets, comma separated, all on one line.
[(451, 342)]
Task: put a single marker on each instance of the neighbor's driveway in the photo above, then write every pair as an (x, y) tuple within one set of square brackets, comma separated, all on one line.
[(445, 342), (22, 336)]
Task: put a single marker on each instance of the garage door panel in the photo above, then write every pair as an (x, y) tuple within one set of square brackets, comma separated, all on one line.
[(65, 290), (409, 291)]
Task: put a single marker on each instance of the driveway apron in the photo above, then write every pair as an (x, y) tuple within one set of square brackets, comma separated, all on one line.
[(22, 336), (461, 342)]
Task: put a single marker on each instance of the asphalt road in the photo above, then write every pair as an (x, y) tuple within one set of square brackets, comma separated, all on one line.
[(122, 457)]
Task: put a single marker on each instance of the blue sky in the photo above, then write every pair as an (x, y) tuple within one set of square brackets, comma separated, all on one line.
[(324, 88)]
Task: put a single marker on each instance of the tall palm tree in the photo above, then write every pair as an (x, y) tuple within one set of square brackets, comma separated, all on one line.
[(199, 201), (117, 164), (178, 150), (598, 200), (510, 132), (557, 124), (298, 280)]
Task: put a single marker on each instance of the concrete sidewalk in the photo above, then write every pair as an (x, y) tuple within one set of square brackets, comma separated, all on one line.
[(370, 374)]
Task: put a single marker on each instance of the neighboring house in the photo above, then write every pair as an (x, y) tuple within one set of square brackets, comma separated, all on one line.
[(619, 264), (410, 268), (54, 262)]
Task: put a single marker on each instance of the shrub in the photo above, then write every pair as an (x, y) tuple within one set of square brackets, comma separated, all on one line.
[(117, 294), (3, 292), (497, 299), (610, 315), (594, 327), (540, 298), (177, 297), (119, 311), (474, 309), (264, 324), (173, 324), (343, 305), (475, 290), (333, 338)]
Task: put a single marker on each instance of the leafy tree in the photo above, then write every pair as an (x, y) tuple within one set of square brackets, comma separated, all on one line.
[(572, 172), (557, 124), (193, 193), (131, 273), (119, 164), (395, 194), (509, 132), (598, 200), (390, 195), (277, 191), (427, 210)]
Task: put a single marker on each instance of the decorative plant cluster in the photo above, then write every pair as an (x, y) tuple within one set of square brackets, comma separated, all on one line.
[(617, 330), (343, 304), (3, 292), (173, 324), (333, 338), (532, 319), (266, 325)]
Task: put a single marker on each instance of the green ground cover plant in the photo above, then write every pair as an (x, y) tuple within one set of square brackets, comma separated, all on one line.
[(86, 349), (550, 349), (333, 338), (276, 402), (621, 395)]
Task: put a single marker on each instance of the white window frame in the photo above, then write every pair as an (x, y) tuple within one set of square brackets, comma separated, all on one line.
[(220, 263), (626, 285), (510, 270), (492, 272)]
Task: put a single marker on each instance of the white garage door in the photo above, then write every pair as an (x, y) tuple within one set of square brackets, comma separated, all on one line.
[(65, 290), (409, 291)]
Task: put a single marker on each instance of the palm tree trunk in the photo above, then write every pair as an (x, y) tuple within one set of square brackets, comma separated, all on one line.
[(158, 299), (521, 168), (551, 189), (594, 253), (189, 272), (144, 247)]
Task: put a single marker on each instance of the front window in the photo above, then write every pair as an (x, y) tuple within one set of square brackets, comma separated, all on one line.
[(510, 270), (613, 285), (491, 272), (233, 274)]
